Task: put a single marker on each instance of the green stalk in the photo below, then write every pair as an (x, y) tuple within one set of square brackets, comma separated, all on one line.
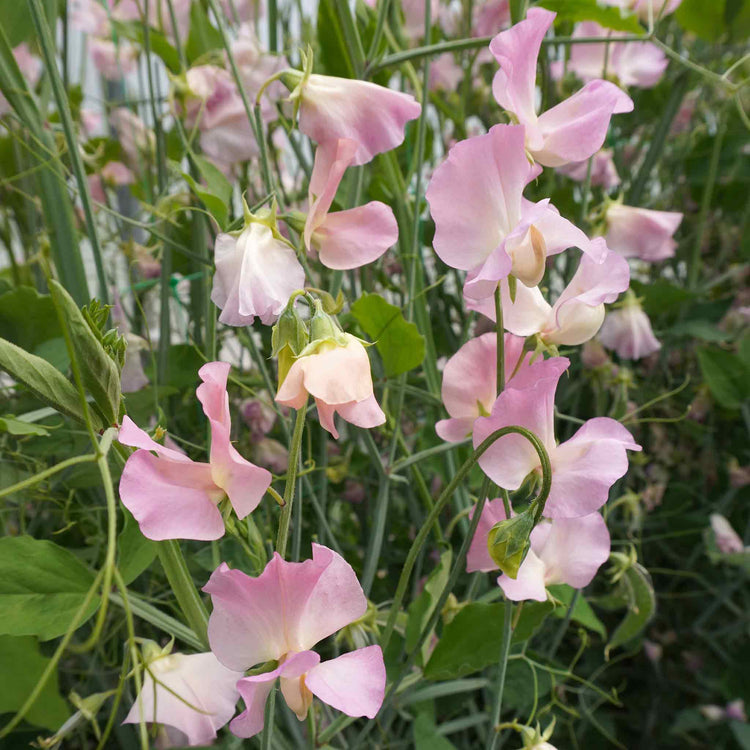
[(181, 582), (49, 51), (291, 478), (352, 39)]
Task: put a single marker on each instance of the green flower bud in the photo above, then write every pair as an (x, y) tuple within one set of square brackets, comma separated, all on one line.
[(508, 542), (288, 338)]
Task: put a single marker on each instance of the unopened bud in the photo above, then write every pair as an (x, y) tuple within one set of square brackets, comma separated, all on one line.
[(288, 338), (508, 542)]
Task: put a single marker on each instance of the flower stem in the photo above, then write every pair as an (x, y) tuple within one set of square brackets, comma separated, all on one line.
[(291, 478), (504, 649)]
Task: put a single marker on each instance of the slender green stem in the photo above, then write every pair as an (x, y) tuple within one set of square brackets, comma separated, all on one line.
[(269, 715), (383, 8), (42, 475), (503, 669), (557, 640), (291, 478), (184, 589), (352, 39)]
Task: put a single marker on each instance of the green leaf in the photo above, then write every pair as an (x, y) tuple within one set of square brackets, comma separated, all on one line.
[(41, 588), (727, 376), (400, 344), (704, 19), (21, 666), (203, 37), (641, 606), (28, 318), (216, 194), (17, 23), (610, 17), (40, 377), (16, 426), (100, 374), (55, 352), (582, 612), (532, 616), (741, 732), (470, 642), (426, 735), (134, 552), (334, 56)]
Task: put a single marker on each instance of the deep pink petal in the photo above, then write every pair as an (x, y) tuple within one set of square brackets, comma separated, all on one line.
[(353, 683)]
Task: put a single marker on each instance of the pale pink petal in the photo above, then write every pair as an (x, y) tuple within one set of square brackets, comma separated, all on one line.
[(199, 680), (529, 583), (727, 539), (573, 549), (642, 233), (456, 429), (586, 466), (640, 64), (365, 413), (482, 281), (289, 607), (475, 195), (516, 51), (603, 170), (373, 116), (527, 314), (528, 402), (478, 557), (132, 435), (575, 129), (627, 330), (353, 683), (171, 499), (327, 417), (352, 238)]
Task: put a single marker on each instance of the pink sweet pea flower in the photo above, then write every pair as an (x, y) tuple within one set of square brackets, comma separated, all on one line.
[(135, 138), (215, 107), (482, 221), (470, 382), (569, 132), (583, 467), (372, 116), (173, 497), (603, 170), (627, 331), (565, 550), (336, 373), (116, 173), (113, 61), (344, 239), (281, 615), (413, 27), (489, 17), (642, 233), (638, 64), (193, 695), (577, 313), (727, 539), (256, 274), (445, 73)]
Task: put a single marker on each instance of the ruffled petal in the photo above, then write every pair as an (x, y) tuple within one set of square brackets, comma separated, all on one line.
[(529, 583)]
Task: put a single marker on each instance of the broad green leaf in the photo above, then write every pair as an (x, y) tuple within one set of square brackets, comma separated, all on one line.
[(582, 612), (641, 606), (21, 666), (610, 17), (203, 37), (705, 19), (333, 57), (727, 376), (17, 23), (532, 616), (520, 690), (400, 344), (426, 735), (470, 642), (16, 426), (134, 552), (41, 588), (100, 374), (217, 206), (28, 318), (40, 377), (421, 609), (55, 352)]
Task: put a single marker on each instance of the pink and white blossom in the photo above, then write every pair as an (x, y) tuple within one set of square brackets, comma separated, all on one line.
[(727, 539), (583, 467), (174, 497), (113, 60), (564, 550), (641, 232), (281, 615), (603, 170), (193, 695), (470, 382), (344, 239), (627, 331), (572, 130), (336, 373)]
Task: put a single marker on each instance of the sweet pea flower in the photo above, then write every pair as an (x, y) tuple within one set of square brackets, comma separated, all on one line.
[(345, 239), (627, 331), (335, 371), (136, 139), (173, 497), (281, 615), (569, 132), (583, 467), (31, 69), (489, 16), (215, 107), (192, 695), (257, 271), (331, 108), (413, 27), (727, 539), (565, 550), (470, 382), (482, 222), (603, 170), (637, 64), (577, 313), (113, 60), (445, 73), (641, 232), (116, 173)]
